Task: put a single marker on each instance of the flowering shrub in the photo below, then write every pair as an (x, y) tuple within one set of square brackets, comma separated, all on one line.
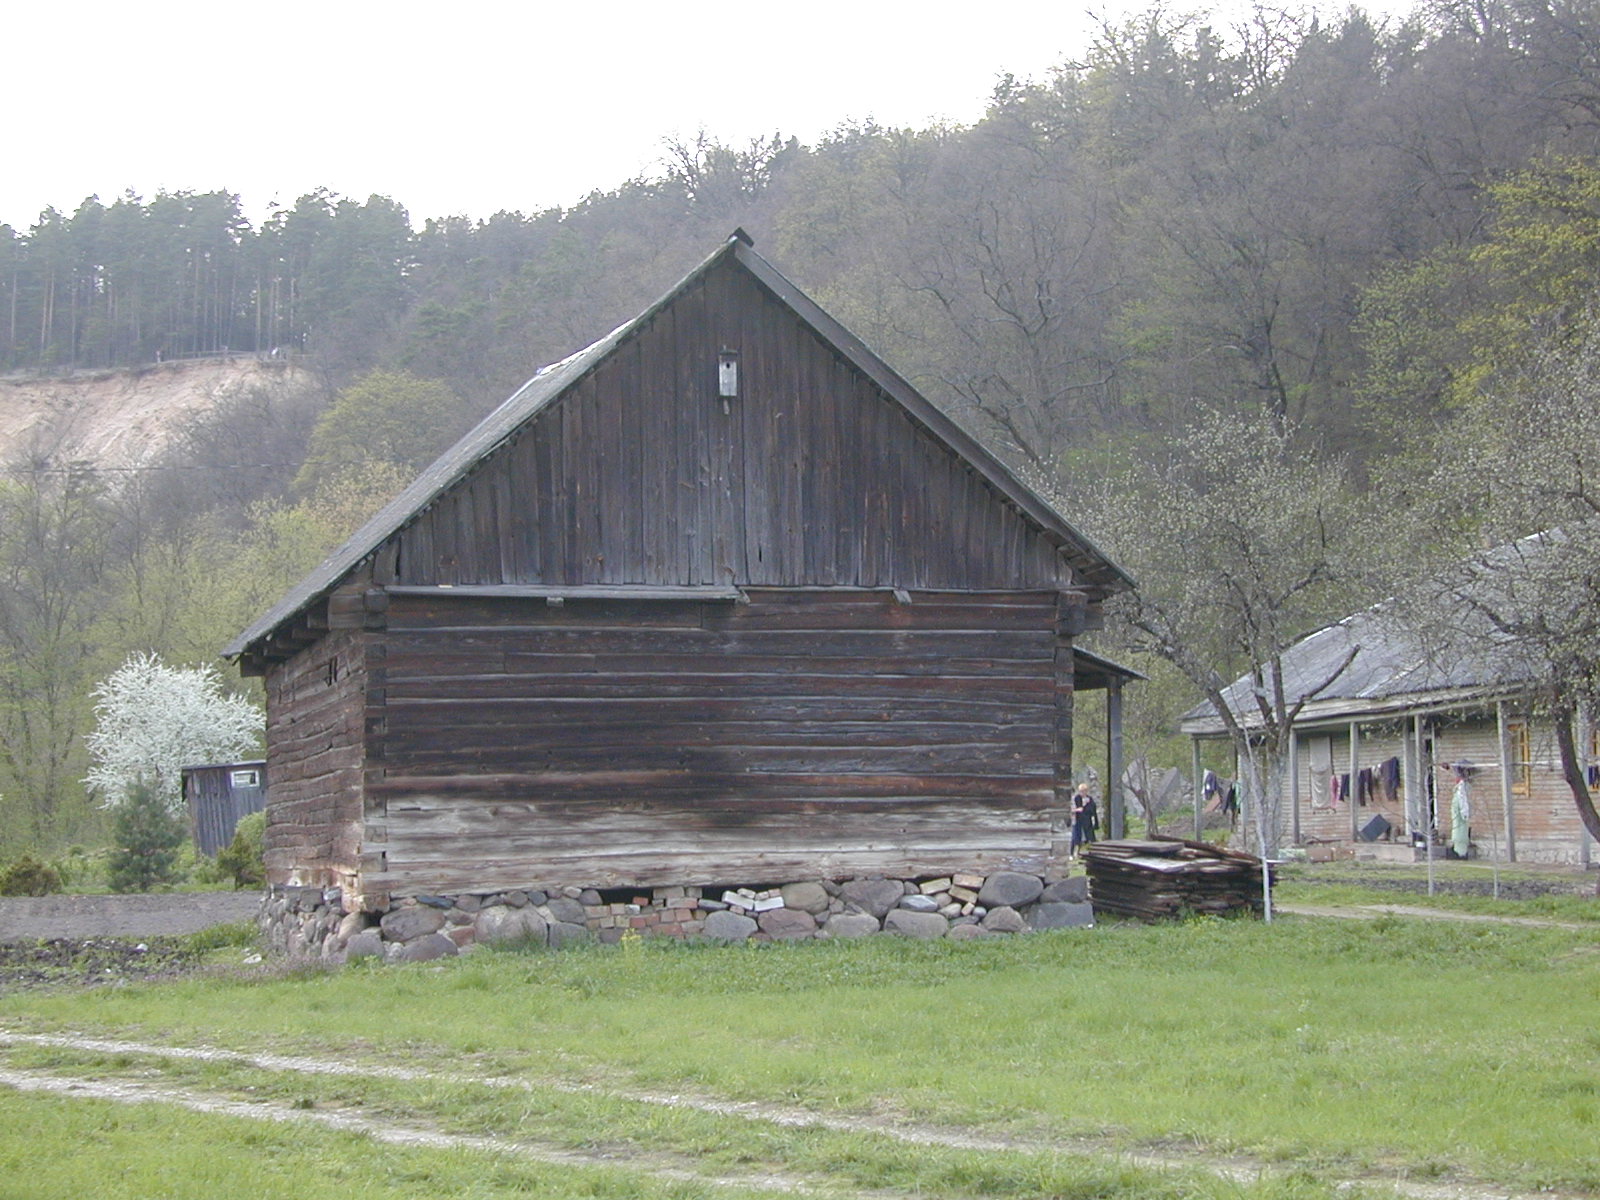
[(153, 720)]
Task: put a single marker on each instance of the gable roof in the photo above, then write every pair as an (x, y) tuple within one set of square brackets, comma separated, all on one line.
[(549, 383), (1404, 661)]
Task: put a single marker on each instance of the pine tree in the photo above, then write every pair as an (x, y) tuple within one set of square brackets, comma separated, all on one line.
[(147, 834)]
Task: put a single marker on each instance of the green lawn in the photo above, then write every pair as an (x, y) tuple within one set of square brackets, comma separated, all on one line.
[(1326, 1046), (1550, 894)]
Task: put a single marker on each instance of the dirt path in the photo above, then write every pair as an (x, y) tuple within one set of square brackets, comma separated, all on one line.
[(1237, 1169), (1368, 912), (126, 1092)]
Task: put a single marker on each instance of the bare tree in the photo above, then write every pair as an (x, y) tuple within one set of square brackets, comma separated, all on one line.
[(54, 528), (1524, 460), (1240, 540)]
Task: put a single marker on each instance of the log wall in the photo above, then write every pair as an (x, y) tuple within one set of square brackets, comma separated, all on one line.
[(316, 727), (802, 734)]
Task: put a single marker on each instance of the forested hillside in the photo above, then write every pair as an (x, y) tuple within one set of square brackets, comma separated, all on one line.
[(1340, 228)]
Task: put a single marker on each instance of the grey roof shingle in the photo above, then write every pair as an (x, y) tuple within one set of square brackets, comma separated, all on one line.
[(1406, 655)]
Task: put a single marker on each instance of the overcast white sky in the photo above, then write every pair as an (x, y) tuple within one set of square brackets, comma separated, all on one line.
[(473, 108)]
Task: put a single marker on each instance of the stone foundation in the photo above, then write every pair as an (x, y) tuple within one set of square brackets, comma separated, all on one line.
[(312, 923)]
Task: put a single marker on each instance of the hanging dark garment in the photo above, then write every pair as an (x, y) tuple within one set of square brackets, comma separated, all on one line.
[(1364, 794), (1389, 780)]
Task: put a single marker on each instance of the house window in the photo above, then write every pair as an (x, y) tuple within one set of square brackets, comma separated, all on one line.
[(245, 779), (1521, 757)]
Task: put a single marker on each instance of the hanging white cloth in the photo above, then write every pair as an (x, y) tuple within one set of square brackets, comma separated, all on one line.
[(1319, 761)]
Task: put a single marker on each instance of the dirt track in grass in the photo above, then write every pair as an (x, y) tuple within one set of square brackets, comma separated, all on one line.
[(131, 1091)]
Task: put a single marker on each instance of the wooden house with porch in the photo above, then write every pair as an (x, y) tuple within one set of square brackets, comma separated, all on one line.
[(1373, 756), (719, 598)]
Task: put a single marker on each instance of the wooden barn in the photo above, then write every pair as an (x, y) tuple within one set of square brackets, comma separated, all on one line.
[(720, 598)]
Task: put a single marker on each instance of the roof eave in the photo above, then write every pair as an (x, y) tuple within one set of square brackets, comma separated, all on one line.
[(413, 501), (1357, 708)]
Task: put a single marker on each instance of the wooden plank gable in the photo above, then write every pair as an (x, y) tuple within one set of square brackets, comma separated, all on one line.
[(640, 474)]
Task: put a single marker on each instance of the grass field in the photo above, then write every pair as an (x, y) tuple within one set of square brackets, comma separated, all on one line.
[(1475, 887), (1328, 1049)]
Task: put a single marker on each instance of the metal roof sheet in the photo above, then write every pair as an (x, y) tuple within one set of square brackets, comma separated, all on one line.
[(1419, 652)]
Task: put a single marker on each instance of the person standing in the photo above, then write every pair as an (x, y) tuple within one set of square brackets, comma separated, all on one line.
[(1461, 815), (1085, 819)]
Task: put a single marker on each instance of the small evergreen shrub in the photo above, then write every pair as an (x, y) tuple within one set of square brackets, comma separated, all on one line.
[(27, 876), (71, 866), (242, 857), (146, 837)]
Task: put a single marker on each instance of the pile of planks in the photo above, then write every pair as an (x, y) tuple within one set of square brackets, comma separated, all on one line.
[(1165, 878)]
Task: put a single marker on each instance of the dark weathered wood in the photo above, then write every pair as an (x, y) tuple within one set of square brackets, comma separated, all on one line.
[(315, 732), (1064, 690), (811, 622), (813, 474), (601, 591), (1164, 878), (218, 796), (868, 721), (675, 787)]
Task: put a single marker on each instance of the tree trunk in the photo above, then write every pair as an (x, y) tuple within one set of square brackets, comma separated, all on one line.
[(1573, 770)]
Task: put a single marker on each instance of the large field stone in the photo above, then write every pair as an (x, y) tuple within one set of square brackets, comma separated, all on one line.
[(808, 897), (1062, 916), (914, 924), (1073, 890), (729, 926), (424, 949), (564, 908), (409, 924), (502, 923), (788, 923), (851, 925), (567, 933), (875, 896), (1004, 919), (1013, 888), (368, 943)]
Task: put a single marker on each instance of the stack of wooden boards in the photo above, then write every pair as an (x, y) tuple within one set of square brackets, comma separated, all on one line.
[(1164, 878)]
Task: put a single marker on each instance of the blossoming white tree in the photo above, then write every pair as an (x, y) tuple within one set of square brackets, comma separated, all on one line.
[(152, 720)]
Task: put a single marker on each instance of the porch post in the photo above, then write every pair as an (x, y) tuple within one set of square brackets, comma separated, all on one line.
[(1506, 806), (1114, 798), (1294, 784), (1355, 784), (1415, 789), (1199, 784), (1424, 779)]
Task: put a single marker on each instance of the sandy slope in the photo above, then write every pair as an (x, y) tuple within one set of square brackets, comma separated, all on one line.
[(120, 418)]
